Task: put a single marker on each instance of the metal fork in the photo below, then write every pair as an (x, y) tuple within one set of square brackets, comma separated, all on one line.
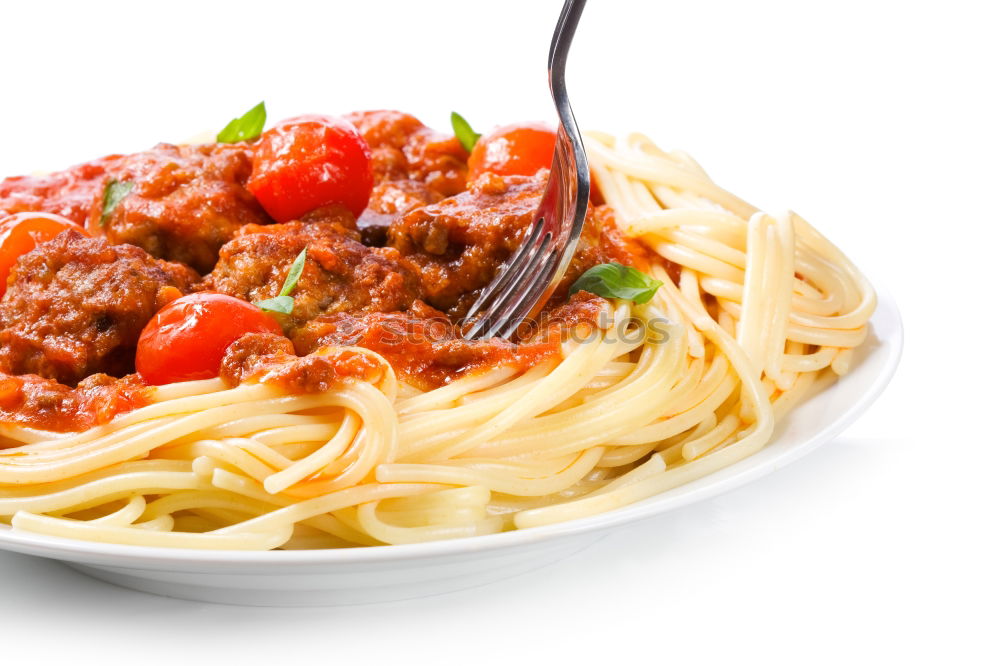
[(527, 279)]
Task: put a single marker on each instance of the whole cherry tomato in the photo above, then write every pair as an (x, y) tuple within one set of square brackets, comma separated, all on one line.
[(188, 337), (23, 232), (308, 162), (513, 150), (520, 149)]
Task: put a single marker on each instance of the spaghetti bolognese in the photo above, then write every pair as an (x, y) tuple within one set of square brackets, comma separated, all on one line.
[(256, 343)]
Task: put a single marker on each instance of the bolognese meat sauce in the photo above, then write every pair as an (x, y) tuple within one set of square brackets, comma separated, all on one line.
[(187, 201), (390, 200), (413, 166), (37, 402), (397, 280), (75, 306), (425, 352), (460, 242), (427, 349), (340, 274), (271, 359), (403, 148)]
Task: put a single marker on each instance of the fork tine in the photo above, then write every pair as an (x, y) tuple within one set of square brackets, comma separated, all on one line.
[(493, 316), (506, 272), (526, 302), (514, 295)]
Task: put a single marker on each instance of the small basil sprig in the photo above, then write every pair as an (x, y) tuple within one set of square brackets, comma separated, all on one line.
[(114, 192), (284, 303), (617, 281), (463, 131), (245, 128)]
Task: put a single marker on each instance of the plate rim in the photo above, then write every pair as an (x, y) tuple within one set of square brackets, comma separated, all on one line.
[(145, 557)]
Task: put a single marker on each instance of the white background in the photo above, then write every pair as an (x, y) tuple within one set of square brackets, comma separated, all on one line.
[(876, 120)]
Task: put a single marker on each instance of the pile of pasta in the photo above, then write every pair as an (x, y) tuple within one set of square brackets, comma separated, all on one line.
[(662, 394)]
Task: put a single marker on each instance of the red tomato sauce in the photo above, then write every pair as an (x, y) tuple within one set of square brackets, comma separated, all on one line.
[(30, 400), (72, 193), (270, 359), (428, 351)]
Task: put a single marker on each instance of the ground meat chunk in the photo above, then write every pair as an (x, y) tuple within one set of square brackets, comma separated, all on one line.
[(75, 306), (403, 148), (340, 273), (186, 203), (460, 242)]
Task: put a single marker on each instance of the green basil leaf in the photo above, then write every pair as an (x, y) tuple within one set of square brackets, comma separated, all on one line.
[(114, 192), (282, 304), (617, 281), (464, 132), (294, 273), (245, 128)]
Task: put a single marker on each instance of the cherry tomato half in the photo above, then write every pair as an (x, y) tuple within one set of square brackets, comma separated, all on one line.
[(513, 150), (23, 232), (188, 337), (308, 162)]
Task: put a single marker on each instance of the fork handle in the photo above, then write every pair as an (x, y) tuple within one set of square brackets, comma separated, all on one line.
[(562, 38)]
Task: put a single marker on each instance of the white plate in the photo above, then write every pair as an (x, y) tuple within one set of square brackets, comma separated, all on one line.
[(363, 575)]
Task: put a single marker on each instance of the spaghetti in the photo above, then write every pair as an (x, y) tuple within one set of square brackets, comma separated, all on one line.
[(656, 396)]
